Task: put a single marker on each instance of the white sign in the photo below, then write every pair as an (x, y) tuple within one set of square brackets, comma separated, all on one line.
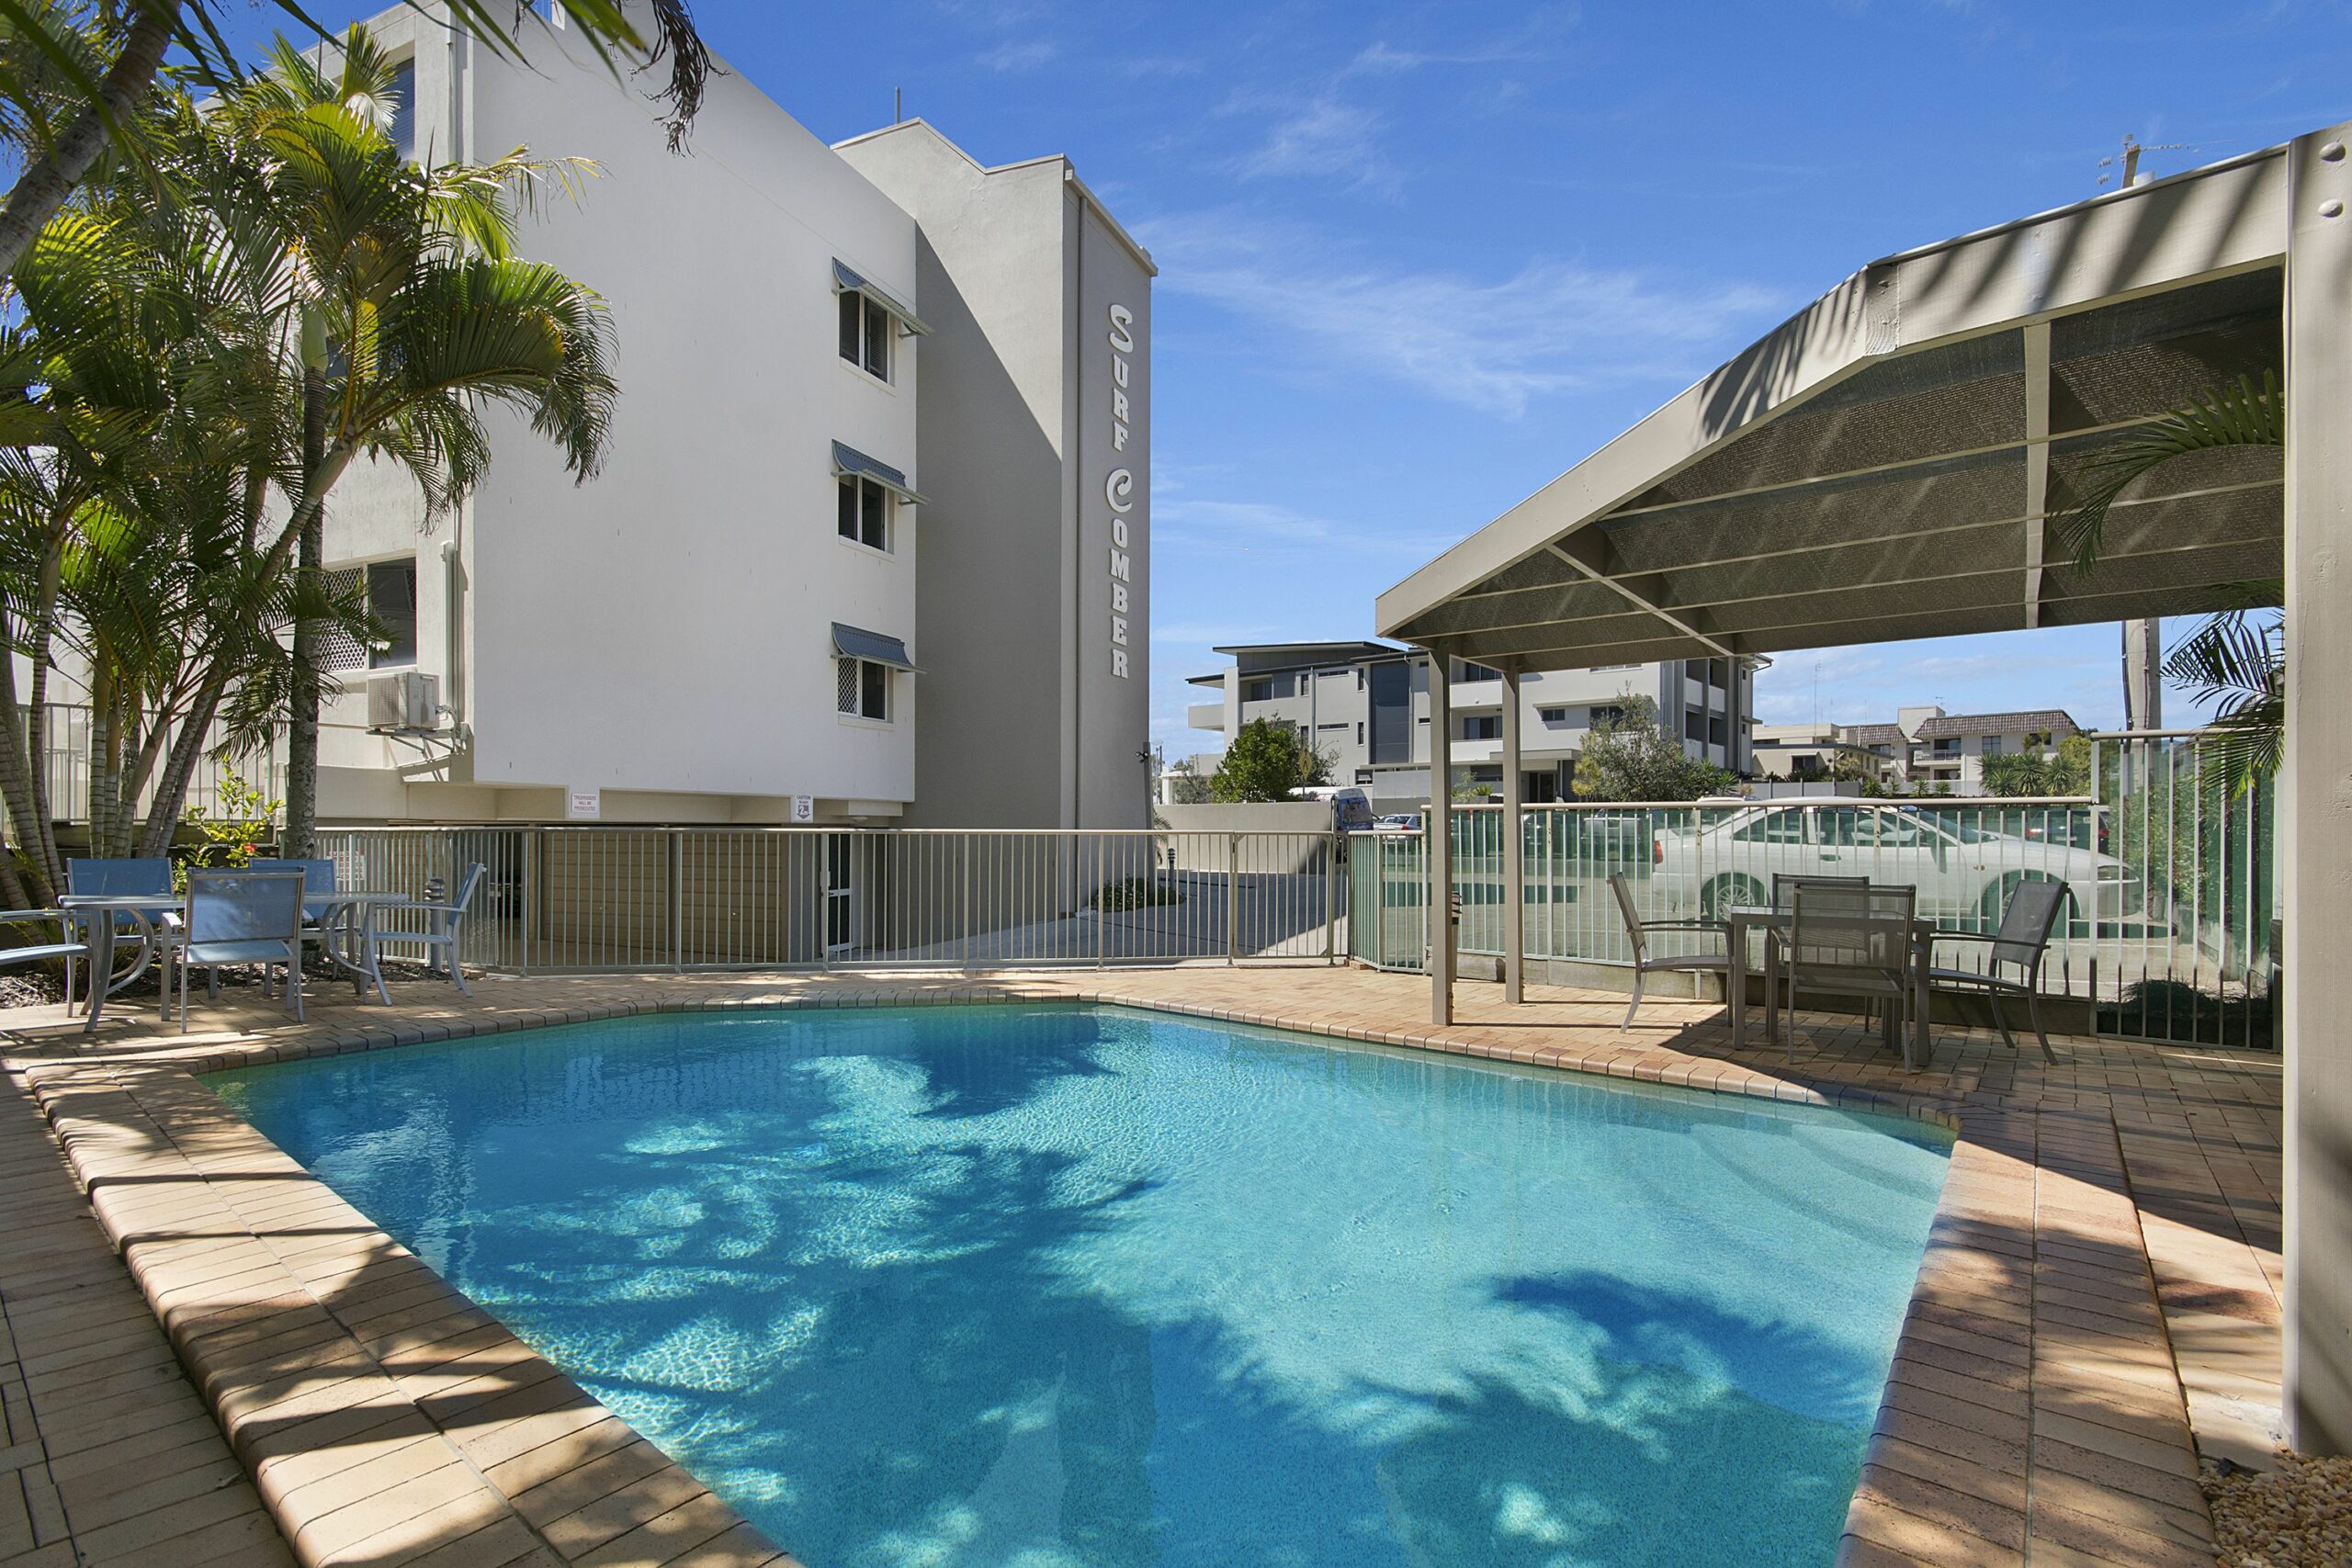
[(1119, 485), (804, 808), (582, 805)]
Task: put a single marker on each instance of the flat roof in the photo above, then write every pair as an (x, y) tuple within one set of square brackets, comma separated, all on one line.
[(1882, 465)]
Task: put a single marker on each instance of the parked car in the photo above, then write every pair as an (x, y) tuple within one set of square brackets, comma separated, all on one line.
[(1965, 874), (1399, 822)]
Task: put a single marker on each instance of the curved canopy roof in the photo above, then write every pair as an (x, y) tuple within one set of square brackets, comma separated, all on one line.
[(1881, 465)]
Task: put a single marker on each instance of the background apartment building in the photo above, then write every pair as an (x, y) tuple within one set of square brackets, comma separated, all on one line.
[(1365, 704), (877, 502), (1924, 749)]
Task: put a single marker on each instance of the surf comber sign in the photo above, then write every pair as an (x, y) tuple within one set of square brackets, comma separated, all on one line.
[(1119, 485)]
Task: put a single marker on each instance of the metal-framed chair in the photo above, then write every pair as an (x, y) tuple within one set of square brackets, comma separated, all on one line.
[(240, 918), (1786, 882), (1852, 941), (1638, 935), (318, 882), (445, 928), (69, 948), (1784, 886), (2019, 943)]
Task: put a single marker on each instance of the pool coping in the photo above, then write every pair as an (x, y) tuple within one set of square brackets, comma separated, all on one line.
[(2033, 1411)]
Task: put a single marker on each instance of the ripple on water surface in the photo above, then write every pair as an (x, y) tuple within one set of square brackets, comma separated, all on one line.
[(1049, 1286)]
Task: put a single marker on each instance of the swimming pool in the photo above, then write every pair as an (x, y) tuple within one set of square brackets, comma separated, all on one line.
[(1057, 1285)]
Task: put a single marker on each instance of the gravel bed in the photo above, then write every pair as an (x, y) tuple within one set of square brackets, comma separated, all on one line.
[(2299, 1515)]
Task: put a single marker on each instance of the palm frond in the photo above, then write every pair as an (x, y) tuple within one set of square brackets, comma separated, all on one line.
[(2237, 415)]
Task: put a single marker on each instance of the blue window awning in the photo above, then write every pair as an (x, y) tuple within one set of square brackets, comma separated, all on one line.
[(853, 642), (846, 280), (851, 463)]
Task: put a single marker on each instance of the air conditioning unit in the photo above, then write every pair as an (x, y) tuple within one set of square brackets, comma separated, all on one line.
[(403, 700)]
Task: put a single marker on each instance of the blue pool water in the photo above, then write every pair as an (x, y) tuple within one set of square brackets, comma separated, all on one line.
[(1058, 1287)]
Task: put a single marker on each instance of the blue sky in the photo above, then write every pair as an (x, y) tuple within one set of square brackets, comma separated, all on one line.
[(1418, 259)]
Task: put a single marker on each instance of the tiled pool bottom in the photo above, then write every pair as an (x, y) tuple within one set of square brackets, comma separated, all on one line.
[(1057, 1285)]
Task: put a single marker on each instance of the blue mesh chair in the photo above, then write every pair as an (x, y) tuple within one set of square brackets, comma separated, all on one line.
[(67, 947), (241, 916), (318, 882), (443, 928)]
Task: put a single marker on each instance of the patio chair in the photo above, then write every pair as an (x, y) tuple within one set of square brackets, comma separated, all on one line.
[(69, 948), (2019, 943), (241, 917), (445, 928), (1784, 886), (318, 882), (1637, 933), (1786, 882), (1852, 941)]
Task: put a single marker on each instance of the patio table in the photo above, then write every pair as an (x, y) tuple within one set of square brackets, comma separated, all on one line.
[(1747, 919), (144, 909), (350, 915)]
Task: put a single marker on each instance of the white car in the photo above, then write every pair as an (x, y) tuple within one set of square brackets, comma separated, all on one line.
[(1965, 873)]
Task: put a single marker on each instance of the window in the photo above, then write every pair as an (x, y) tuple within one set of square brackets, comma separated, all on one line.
[(864, 512), (403, 126), (389, 589), (1605, 714), (1694, 725), (862, 689), (1948, 746), (391, 600), (1482, 726), (1992, 747), (865, 335), (1259, 690), (1552, 715), (1477, 673)]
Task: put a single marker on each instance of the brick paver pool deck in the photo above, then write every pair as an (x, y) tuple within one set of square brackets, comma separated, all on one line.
[(272, 1378)]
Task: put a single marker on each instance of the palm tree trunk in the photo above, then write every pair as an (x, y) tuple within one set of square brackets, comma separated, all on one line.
[(36, 837), (41, 191), (179, 765), (302, 730)]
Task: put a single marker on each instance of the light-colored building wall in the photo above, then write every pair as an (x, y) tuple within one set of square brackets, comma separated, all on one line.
[(663, 633), (1037, 400)]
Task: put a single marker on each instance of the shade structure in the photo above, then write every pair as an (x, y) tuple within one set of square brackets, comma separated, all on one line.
[(1883, 464), (878, 647), (1886, 465), (848, 280)]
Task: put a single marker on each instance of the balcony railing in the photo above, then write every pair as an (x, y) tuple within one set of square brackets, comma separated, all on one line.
[(66, 760)]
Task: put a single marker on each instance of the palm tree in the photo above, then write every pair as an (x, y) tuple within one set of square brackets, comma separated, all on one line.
[(2236, 659), (408, 312), (76, 74)]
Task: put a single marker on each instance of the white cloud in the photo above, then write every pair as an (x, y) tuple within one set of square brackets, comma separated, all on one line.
[(1019, 55), (1327, 137), (1492, 344), (1269, 528)]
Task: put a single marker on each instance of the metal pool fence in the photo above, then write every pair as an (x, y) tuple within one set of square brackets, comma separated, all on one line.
[(2169, 927), (592, 899)]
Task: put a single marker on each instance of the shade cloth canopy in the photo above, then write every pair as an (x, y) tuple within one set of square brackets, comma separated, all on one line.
[(1885, 464)]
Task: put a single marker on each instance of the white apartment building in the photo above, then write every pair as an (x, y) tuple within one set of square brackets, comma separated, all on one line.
[(1924, 747), (878, 498), (1365, 704)]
